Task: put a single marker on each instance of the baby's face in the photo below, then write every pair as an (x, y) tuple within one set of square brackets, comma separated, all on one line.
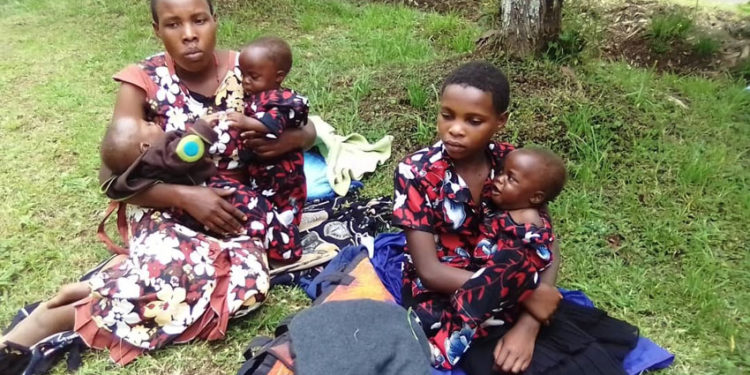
[(259, 73), (520, 180), (149, 133)]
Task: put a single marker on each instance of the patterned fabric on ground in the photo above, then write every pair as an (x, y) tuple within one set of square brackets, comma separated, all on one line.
[(329, 226), (344, 221)]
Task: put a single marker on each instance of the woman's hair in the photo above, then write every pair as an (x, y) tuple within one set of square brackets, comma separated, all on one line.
[(156, 18), (484, 76)]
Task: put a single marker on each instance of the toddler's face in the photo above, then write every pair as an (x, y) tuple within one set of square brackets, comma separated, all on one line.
[(515, 187), (466, 121), (259, 73), (149, 133)]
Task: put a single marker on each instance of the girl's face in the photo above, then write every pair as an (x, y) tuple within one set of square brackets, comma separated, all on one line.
[(188, 31), (467, 121)]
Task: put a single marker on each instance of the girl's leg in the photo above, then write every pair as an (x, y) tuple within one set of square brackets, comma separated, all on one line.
[(53, 316)]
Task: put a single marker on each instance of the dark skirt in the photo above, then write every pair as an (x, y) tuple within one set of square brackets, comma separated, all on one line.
[(578, 341)]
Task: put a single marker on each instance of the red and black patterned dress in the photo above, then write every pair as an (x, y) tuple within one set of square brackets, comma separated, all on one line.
[(431, 197), (178, 284), (280, 180)]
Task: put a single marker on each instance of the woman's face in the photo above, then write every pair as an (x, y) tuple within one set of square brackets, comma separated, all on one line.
[(188, 30)]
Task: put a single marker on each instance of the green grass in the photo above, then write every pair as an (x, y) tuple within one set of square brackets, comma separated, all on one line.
[(667, 28), (706, 46), (652, 222)]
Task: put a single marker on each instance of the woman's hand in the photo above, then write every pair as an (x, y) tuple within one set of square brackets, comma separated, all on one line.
[(208, 206), (514, 350)]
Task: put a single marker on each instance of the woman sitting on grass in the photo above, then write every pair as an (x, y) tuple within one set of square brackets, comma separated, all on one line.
[(474, 302), (176, 284)]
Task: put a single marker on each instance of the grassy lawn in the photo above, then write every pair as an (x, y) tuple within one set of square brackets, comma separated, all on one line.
[(653, 222)]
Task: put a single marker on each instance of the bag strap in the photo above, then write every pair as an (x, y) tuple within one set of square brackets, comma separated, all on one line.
[(274, 357), (333, 278), (122, 228)]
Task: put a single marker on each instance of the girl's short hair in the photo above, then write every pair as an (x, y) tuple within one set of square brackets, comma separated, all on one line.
[(156, 18), (486, 77)]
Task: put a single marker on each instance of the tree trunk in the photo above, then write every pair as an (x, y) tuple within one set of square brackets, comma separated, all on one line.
[(526, 26)]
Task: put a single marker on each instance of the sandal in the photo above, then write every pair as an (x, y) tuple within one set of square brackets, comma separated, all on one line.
[(14, 358)]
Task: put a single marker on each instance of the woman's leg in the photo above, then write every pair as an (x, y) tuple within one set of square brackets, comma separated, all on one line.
[(53, 316), (50, 317)]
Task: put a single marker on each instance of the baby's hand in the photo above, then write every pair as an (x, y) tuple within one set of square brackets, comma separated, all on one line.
[(214, 118), (543, 302), (244, 123)]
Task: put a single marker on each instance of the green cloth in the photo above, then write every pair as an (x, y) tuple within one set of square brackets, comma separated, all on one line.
[(348, 157)]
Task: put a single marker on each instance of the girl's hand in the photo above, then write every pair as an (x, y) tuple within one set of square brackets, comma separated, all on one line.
[(543, 302), (514, 350), (210, 208)]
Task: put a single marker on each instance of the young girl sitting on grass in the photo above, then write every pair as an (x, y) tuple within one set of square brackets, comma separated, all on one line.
[(475, 298)]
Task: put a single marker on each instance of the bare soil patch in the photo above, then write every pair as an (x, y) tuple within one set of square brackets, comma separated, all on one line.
[(627, 38)]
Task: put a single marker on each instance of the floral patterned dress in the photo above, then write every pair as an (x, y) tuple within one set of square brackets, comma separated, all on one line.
[(177, 284), (431, 197)]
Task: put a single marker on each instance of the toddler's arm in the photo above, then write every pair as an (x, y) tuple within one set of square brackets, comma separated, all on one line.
[(245, 123), (278, 110), (542, 302), (526, 216)]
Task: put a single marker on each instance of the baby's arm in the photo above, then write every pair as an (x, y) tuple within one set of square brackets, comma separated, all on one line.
[(526, 216), (278, 110), (435, 275)]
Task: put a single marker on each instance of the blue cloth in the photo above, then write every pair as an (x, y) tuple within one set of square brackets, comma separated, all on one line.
[(318, 186), (456, 371), (387, 260), (646, 356)]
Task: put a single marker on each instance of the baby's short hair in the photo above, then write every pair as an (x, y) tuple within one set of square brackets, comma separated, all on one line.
[(552, 167), (486, 77), (120, 146), (278, 49)]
